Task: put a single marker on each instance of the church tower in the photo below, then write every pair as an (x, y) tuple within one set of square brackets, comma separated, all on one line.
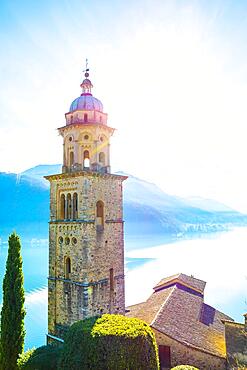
[(86, 240)]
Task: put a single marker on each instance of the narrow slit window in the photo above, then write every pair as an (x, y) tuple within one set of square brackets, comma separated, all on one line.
[(100, 213), (69, 207), (62, 207), (111, 280), (75, 206), (67, 268)]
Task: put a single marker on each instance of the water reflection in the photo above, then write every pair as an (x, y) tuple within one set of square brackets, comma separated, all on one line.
[(219, 259)]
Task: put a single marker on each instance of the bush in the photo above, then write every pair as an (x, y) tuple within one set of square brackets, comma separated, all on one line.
[(110, 342), (42, 358), (24, 357), (184, 367)]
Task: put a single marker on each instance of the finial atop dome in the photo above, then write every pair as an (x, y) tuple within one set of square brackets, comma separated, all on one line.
[(86, 84), (86, 70)]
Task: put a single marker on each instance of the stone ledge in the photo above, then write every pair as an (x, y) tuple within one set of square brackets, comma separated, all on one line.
[(102, 281), (59, 176), (72, 221), (67, 221)]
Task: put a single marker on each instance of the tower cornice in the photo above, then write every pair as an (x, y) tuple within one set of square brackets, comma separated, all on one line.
[(82, 125), (86, 174)]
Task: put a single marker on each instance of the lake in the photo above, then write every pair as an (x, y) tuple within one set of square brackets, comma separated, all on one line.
[(219, 259)]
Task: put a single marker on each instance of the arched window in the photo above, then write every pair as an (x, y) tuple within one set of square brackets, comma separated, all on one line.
[(71, 119), (86, 160), (99, 213), (85, 117), (71, 158), (62, 207), (102, 158), (67, 267), (69, 206), (75, 206)]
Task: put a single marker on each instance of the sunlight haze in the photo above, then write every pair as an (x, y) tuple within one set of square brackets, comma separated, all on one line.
[(172, 76)]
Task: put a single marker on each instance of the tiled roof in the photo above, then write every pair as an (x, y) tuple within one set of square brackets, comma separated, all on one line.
[(180, 313), (149, 309), (189, 281)]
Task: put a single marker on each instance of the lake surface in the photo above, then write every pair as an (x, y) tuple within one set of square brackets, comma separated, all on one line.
[(218, 259)]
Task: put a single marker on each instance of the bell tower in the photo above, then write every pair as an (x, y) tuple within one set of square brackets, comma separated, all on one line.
[(86, 239)]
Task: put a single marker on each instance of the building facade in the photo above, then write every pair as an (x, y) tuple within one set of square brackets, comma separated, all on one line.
[(86, 238), (187, 330)]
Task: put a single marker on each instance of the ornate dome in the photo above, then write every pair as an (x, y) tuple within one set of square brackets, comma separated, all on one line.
[(86, 102)]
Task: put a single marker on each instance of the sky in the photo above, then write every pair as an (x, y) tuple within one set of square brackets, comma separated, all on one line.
[(172, 76)]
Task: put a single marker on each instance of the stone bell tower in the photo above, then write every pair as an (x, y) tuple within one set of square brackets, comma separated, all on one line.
[(86, 240)]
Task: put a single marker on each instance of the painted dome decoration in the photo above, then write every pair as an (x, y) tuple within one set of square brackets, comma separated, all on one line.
[(86, 102)]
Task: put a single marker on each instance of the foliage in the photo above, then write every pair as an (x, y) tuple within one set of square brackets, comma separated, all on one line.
[(43, 358), (110, 342), (12, 315), (240, 359), (24, 357), (184, 367)]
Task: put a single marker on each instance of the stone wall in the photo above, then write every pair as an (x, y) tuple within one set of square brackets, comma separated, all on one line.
[(92, 249), (186, 355), (236, 344)]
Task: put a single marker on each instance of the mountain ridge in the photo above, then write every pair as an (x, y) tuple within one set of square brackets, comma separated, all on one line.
[(147, 208)]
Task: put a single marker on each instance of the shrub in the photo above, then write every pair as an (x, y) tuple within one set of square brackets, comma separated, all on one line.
[(43, 358), (110, 342), (13, 312), (184, 367), (24, 357)]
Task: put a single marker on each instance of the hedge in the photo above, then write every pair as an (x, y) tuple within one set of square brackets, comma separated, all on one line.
[(42, 358), (109, 342)]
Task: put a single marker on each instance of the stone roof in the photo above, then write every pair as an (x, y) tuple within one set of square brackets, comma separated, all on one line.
[(177, 309)]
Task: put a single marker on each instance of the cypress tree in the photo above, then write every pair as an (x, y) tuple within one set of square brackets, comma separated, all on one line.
[(13, 312)]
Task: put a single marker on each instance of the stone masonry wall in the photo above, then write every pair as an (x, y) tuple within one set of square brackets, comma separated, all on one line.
[(236, 344), (93, 251), (185, 355)]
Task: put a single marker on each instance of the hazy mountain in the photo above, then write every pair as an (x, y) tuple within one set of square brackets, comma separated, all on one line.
[(147, 209), (146, 204)]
